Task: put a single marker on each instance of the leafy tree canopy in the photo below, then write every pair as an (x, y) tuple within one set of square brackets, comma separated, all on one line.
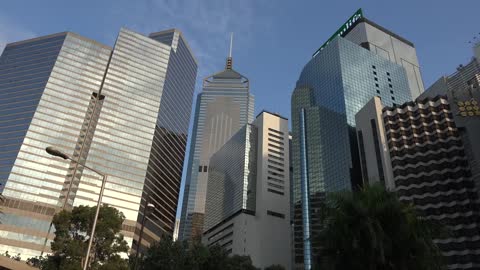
[(170, 255), (72, 230), (372, 229)]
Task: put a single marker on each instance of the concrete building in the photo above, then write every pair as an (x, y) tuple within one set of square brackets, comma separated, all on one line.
[(343, 75), (420, 151), (248, 194), (223, 107), (123, 111), (463, 92)]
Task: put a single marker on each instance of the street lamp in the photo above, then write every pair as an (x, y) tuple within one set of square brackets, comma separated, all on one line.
[(149, 207), (55, 152)]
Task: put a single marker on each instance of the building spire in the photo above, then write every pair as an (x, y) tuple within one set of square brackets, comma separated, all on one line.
[(229, 58)]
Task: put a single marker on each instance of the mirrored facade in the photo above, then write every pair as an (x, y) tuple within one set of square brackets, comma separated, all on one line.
[(248, 193), (123, 111), (224, 106), (333, 86)]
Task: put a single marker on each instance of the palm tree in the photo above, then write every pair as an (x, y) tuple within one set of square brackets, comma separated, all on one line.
[(372, 229)]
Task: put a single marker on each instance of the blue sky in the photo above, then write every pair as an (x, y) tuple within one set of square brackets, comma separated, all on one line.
[(273, 39)]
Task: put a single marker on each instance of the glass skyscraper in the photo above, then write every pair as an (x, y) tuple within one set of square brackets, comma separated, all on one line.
[(336, 83), (223, 107), (123, 111)]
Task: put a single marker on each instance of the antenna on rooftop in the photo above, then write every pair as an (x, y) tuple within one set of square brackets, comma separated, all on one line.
[(229, 58), (231, 45)]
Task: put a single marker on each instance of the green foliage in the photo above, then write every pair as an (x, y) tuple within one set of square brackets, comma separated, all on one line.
[(71, 240), (372, 229), (169, 255)]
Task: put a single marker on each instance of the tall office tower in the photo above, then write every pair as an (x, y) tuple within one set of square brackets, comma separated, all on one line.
[(248, 194), (110, 109), (224, 106), (418, 150), (334, 85)]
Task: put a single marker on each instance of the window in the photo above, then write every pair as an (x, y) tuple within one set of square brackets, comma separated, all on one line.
[(275, 157), (275, 186), (200, 168), (374, 67), (275, 131), (276, 146), (377, 151), (275, 162), (390, 85), (374, 73), (393, 98), (389, 79), (376, 84), (275, 168), (391, 91), (388, 73), (274, 191), (275, 141), (205, 168), (376, 79), (378, 91), (275, 152), (275, 214), (275, 136)]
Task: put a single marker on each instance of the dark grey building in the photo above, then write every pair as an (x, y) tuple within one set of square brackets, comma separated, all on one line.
[(121, 110), (343, 75), (463, 92)]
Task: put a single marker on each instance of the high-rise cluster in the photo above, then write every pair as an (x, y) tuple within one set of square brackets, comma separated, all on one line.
[(359, 116)]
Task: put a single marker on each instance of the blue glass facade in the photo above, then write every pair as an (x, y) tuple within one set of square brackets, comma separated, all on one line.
[(24, 72), (333, 86)]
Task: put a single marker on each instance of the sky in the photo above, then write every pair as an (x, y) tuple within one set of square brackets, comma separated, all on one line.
[(273, 39)]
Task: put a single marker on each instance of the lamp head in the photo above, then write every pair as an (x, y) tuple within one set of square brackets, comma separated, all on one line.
[(55, 152)]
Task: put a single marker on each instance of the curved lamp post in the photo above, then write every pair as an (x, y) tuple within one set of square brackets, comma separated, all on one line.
[(148, 208), (55, 152)]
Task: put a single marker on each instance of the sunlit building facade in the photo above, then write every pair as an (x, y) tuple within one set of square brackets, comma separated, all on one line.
[(123, 111)]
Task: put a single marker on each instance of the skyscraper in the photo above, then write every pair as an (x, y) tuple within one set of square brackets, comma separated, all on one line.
[(248, 193), (123, 111), (334, 85), (224, 106), (417, 150)]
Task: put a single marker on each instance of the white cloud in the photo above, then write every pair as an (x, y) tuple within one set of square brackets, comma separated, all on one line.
[(206, 25), (10, 31)]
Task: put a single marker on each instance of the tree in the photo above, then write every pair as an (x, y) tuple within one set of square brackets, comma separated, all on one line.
[(71, 239), (372, 229), (169, 255)]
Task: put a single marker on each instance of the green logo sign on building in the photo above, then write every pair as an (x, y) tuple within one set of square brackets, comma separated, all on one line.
[(343, 29)]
